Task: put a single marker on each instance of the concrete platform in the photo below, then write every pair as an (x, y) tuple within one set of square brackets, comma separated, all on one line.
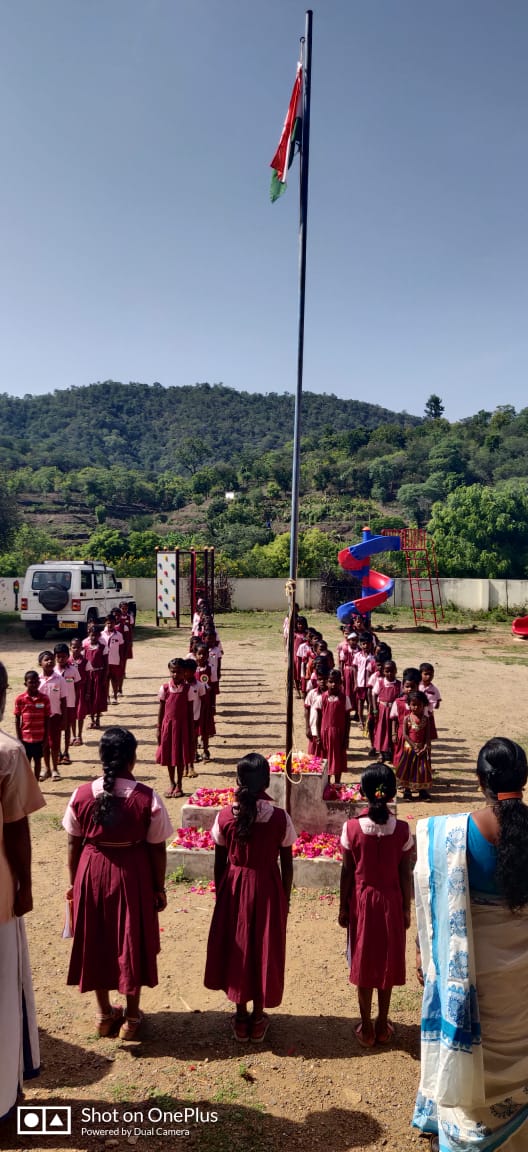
[(199, 864), (308, 814)]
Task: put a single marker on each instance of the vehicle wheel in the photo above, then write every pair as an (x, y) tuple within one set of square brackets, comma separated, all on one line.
[(37, 631), (53, 598)]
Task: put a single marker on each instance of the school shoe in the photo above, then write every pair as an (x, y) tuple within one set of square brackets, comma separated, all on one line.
[(407, 794), (424, 794), (259, 1028), (131, 1026)]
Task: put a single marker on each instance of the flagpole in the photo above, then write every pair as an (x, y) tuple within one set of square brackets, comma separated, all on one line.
[(294, 536)]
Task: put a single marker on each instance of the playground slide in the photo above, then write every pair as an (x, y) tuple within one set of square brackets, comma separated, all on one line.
[(520, 627), (376, 587)]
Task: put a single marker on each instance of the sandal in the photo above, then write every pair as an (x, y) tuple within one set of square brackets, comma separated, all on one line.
[(192, 774), (55, 775), (110, 1023), (128, 1030), (387, 1037), (240, 1028), (259, 1028), (44, 776), (77, 742), (362, 1039), (170, 793), (65, 759)]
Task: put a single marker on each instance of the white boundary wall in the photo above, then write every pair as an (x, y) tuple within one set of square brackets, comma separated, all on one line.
[(270, 595)]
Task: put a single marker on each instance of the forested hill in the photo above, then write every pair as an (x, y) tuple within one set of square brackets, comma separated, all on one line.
[(155, 428)]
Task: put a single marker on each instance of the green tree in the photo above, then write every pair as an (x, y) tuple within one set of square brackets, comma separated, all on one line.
[(105, 544), (8, 513), (434, 408), (482, 531), (29, 546)]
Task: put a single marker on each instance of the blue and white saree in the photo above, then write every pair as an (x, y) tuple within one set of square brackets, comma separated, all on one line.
[(474, 1044)]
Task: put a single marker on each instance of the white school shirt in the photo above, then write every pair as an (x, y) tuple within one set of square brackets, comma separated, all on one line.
[(370, 828), (264, 813), (160, 827), (71, 676), (196, 691), (433, 695), (114, 642), (314, 701), (215, 654), (55, 688), (362, 662)]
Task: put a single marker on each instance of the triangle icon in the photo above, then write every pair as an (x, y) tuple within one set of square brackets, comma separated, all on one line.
[(56, 1121)]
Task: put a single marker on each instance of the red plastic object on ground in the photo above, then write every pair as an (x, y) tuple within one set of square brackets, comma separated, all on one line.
[(520, 627)]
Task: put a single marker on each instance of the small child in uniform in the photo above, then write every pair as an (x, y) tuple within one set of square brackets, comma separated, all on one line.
[(385, 692), (313, 712), (364, 665), (79, 659), (206, 724), (375, 901), (432, 692), (409, 683), (196, 691), (54, 687), (66, 668), (413, 764), (96, 684), (32, 712), (335, 726), (246, 949), (175, 727), (115, 646)]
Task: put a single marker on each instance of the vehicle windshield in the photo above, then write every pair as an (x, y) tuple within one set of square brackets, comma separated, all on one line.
[(44, 579)]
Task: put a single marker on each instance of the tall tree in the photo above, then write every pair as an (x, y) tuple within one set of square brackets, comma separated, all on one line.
[(434, 408)]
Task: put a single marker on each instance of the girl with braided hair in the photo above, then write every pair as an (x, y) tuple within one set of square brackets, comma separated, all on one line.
[(375, 901), (246, 950), (117, 830)]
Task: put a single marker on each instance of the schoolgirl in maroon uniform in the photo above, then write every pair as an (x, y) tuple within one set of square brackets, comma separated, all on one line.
[(246, 950), (413, 763), (335, 726), (96, 684), (206, 723), (375, 901), (387, 690), (400, 708), (175, 727), (346, 652)]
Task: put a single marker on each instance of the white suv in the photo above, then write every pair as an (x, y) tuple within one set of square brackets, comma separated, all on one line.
[(69, 594)]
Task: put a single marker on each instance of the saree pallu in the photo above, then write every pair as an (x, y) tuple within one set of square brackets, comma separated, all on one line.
[(19, 1049), (474, 1044)]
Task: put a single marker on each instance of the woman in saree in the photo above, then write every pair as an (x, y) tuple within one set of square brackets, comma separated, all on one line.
[(471, 884)]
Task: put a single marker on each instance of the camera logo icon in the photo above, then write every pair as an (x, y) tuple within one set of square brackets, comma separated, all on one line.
[(44, 1120)]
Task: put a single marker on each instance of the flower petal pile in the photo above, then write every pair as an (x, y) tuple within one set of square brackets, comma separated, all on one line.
[(212, 797), (309, 847), (300, 762), (193, 838)]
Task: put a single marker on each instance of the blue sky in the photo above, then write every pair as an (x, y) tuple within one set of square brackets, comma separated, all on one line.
[(137, 239)]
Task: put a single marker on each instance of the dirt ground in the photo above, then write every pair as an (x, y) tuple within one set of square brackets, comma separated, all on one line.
[(309, 1085)]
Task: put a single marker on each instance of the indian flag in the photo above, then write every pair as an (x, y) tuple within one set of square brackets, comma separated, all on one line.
[(291, 136)]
